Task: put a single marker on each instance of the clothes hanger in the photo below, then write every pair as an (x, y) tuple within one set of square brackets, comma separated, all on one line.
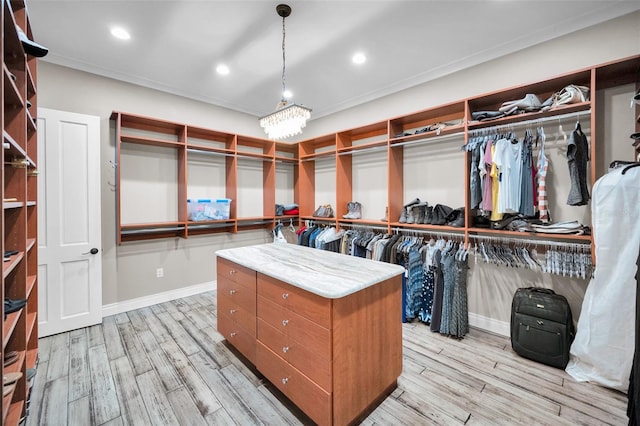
[(630, 166)]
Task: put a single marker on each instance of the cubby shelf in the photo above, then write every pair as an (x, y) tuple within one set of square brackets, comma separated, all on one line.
[(205, 164), (19, 155)]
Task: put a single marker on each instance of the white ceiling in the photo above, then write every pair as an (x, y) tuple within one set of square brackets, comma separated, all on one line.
[(175, 45)]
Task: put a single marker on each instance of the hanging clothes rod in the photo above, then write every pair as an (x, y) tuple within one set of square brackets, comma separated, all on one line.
[(496, 239), (206, 152), (354, 150), (429, 232), (362, 226), (534, 122), (434, 139)]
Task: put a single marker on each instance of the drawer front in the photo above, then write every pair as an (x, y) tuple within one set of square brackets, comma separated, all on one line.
[(242, 294), (308, 305), (297, 327), (240, 315), (310, 398), (316, 366), (242, 340), (235, 272)]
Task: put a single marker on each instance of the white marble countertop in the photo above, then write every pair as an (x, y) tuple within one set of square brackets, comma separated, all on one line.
[(327, 274)]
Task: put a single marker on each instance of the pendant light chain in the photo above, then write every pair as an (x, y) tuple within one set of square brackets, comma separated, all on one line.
[(287, 119), (283, 61)]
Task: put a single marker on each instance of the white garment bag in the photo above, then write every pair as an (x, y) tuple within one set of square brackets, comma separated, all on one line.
[(603, 348)]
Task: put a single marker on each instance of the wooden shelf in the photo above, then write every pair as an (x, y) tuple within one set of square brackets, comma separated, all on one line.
[(32, 358), (12, 205), (15, 411), (30, 243), (530, 235), (9, 266), (16, 366), (31, 283), (8, 326), (32, 317), (149, 141)]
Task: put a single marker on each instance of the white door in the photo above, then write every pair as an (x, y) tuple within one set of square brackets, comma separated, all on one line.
[(69, 240)]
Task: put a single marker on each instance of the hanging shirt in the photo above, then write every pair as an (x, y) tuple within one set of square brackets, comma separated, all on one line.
[(526, 189), (543, 166), (508, 159), (495, 186), (487, 194), (577, 158)]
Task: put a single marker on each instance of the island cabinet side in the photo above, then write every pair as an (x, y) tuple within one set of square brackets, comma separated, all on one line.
[(367, 349)]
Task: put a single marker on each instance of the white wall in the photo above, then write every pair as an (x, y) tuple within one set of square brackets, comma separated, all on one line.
[(129, 270)]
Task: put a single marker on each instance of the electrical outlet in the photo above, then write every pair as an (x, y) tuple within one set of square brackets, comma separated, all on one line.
[(159, 273)]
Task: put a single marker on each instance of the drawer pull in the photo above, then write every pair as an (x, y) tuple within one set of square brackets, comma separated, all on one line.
[(232, 311), (233, 334), (232, 292), (231, 272), (285, 349), (285, 295), (285, 380), (285, 322)]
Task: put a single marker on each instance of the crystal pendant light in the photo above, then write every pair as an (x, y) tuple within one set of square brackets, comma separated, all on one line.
[(287, 119)]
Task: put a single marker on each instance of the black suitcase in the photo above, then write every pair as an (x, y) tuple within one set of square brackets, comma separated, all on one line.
[(541, 326)]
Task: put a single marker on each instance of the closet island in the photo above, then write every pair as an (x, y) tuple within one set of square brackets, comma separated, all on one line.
[(324, 328)]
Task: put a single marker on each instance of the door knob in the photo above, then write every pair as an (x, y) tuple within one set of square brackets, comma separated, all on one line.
[(92, 251)]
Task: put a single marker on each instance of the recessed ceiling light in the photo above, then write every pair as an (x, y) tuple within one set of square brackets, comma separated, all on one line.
[(120, 33), (359, 58), (287, 94), (222, 69)]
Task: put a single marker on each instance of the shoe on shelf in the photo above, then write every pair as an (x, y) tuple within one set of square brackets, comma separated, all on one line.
[(349, 210), (403, 216), (428, 215), (11, 306), (10, 358), (10, 378), (355, 210), (386, 214), (419, 212), (30, 46), (7, 389), (412, 202), (31, 373), (412, 214)]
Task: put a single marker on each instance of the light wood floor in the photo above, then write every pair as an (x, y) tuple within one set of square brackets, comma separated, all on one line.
[(166, 364)]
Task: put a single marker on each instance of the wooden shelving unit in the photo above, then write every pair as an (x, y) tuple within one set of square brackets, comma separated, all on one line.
[(199, 161), (326, 169), (406, 133), (19, 220)]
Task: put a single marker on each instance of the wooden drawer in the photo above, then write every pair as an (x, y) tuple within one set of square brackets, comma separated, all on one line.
[(310, 398), (235, 272), (241, 339), (315, 337), (243, 317), (243, 294), (316, 366), (308, 305)]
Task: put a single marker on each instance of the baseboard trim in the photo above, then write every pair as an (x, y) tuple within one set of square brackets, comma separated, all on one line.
[(489, 324), (154, 299)]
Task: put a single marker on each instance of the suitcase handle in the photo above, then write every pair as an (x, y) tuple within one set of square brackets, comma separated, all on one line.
[(541, 290)]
